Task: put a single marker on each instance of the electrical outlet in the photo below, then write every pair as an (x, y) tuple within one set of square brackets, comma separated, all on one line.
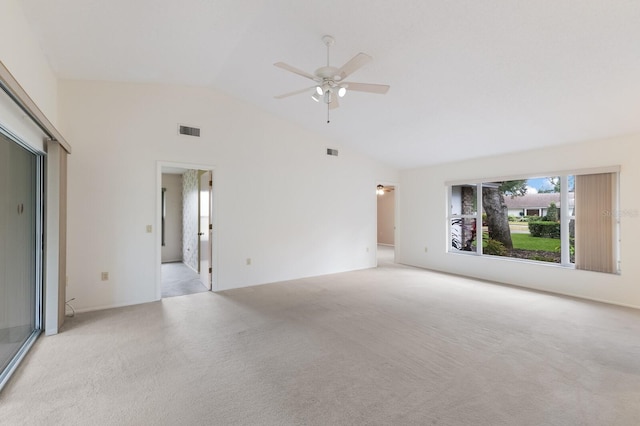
[(425, 250), (104, 276), (367, 249), (248, 261), (149, 229)]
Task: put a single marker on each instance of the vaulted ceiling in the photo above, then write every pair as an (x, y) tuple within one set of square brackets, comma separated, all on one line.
[(468, 78)]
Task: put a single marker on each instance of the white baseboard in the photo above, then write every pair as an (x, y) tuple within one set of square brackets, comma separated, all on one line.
[(115, 305)]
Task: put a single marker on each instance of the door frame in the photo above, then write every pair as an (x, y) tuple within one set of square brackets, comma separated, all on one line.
[(208, 230), (158, 222)]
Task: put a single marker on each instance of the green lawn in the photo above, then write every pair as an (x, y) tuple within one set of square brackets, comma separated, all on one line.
[(527, 242)]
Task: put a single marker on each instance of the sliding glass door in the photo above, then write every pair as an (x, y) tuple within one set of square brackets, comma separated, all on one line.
[(20, 251)]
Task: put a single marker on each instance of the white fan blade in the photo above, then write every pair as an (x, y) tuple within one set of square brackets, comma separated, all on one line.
[(297, 92), (334, 103), (353, 65), (366, 87), (295, 70)]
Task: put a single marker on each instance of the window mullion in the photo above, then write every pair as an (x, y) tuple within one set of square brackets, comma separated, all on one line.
[(479, 219), (565, 214), (616, 231)]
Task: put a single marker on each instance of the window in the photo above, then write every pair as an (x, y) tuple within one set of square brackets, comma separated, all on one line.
[(463, 218), (566, 219)]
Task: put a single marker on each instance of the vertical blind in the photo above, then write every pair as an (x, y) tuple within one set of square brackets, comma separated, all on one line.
[(595, 216)]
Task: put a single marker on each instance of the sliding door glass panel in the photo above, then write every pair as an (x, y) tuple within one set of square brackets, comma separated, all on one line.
[(18, 249)]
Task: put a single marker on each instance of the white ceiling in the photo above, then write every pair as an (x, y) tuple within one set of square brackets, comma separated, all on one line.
[(468, 78)]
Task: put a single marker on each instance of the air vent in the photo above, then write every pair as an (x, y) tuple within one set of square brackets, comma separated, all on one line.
[(333, 152), (189, 131)]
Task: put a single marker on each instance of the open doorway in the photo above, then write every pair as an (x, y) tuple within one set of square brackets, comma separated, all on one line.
[(386, 223), (186, 238)]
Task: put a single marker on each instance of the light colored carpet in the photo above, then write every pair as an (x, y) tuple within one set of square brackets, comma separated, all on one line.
[(179, 280), (390, 346)]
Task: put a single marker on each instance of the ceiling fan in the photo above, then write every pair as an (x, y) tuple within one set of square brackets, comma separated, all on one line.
[(329, 81), (381, 189)]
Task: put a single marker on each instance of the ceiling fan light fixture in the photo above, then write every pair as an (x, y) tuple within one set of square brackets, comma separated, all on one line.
[(380, 190), (330, 83)]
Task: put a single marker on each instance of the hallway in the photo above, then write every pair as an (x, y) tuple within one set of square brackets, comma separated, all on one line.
[(179, 280)]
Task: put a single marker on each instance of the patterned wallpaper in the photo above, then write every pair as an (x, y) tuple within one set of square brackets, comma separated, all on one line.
[(190, 218)]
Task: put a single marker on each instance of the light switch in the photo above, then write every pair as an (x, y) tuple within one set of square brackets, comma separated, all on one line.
[(149, 228)]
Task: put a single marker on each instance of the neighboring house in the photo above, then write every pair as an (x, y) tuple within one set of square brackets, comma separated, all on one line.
[(534, 204)]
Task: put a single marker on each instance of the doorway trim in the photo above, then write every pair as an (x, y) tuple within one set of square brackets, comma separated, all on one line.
[(158, 221), (205, 269), (396, 219)]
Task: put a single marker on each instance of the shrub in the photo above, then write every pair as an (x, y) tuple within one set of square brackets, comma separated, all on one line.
[(544, 229), (572, 249), (552, 213), (512, 218), (495, 248)]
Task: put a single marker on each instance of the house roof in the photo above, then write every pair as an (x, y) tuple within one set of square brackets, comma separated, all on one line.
[(534, 201), (468, 79)]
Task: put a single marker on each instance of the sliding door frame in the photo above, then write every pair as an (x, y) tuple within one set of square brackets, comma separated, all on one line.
[(39, 254), (51, 181)]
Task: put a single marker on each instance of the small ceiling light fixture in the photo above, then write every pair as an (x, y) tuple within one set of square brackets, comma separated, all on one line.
[(319, 91), (315, 97), (342, 91), (327, 97), (380, 190)]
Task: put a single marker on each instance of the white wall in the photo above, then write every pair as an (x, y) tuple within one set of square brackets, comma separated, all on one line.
[(279, 199), (21, 54), (423, 209), (190, 218), (172, 249)]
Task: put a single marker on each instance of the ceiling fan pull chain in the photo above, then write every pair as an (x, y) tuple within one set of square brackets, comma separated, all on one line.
[(328, 121)]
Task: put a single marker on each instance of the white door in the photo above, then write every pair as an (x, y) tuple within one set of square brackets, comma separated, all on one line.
[(205, 229)]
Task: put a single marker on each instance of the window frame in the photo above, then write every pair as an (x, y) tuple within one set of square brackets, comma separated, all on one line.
[(565, 214)]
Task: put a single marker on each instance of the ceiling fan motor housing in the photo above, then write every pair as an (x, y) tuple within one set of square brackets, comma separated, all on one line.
[(328, 73)]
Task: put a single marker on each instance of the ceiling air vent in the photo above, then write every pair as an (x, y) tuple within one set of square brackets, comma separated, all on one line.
[(333, 152), (189, 131)]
